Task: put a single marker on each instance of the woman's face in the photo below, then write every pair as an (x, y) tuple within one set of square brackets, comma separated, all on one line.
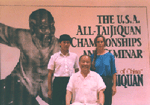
[(100, 42)]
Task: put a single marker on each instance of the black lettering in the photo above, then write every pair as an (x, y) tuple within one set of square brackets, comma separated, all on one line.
[(129, 79), (119, 18), (139, 54), (123, 81), (118, 81), (79, 31), (88, 52), (72, 44), (139, 41), (127, 53), (134, 81), (127, 18), (120, 30), (80, 42), (140, 79), (135, 19)]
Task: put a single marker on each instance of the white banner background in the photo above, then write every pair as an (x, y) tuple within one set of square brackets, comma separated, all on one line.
[(67, 19)]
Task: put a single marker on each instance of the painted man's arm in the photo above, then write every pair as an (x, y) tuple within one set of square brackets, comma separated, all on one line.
[(8, 35)]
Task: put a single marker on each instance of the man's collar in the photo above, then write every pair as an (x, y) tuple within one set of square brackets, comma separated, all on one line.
[(88, 75), (63, 54)]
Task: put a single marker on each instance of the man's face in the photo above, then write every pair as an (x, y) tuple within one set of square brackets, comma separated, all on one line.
[(65, 45), (85, 64), (41, 24), (44, 30)]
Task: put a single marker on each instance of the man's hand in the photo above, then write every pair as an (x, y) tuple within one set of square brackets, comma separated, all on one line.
[(50, 94)]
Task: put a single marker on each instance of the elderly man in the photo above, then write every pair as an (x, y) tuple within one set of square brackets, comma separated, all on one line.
[(29, 77), (86, 86)]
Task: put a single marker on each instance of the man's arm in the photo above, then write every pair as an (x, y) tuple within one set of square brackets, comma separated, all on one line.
[(101, 97), (68, 97), (50, 75), (101, 89), (69, 89), (114, 84)]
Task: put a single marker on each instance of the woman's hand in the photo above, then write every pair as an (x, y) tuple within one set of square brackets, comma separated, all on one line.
[(113, 90)]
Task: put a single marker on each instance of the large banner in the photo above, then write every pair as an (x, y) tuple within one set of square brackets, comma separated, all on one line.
[(126, 33)]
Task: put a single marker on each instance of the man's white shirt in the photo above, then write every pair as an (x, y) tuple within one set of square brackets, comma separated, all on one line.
[(85, 90), (63, 65)]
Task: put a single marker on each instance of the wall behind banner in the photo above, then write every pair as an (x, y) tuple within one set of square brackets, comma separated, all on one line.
[(125, 29)]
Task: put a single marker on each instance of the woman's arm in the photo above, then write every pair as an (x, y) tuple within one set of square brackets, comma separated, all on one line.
[(114, 84)]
